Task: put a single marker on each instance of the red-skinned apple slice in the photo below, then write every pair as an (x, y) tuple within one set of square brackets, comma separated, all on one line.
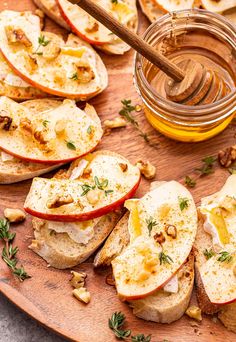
[(101, 183), (162, 227), (170, 6), (83, 24), (72, 69), (55, 136), (218, 6)]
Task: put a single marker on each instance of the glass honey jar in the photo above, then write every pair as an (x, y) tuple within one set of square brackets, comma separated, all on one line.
[(202, 36)]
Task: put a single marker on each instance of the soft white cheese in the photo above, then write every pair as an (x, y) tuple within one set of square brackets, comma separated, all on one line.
[(172, 286), (80, 232), (211, 229), (5, 157), (15, 81), (78, 171)]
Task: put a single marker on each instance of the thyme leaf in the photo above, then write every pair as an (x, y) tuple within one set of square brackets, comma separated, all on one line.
[(183, 203), (45, 123), (207, 167), (74, 77), (150, 224), (70, 145), (190, 182), (208, 253), (42, 41), (115, 323), (9, 252), (164, 258), (141, 338), (225, 256)]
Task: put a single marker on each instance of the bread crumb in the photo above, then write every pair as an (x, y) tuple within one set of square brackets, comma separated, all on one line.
[(82, 295)]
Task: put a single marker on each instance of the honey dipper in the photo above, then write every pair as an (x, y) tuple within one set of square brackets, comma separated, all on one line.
[(189, 81)]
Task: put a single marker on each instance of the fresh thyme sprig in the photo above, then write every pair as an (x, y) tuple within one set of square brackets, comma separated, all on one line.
[(9, 252), (208, 166), (101, 185), (183, 203), (42, 41), (208, 253), (150, 224), (164, 258), (117, 321), (126, 112)]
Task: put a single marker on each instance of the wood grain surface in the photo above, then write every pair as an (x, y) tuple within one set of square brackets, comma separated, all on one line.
[(47, 295)]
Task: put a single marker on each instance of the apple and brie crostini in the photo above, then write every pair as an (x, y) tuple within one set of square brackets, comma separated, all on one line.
[(70, 69), (38, 136), (216, 254), (79, 207), (162, 227), (166, 226), (100, 183)]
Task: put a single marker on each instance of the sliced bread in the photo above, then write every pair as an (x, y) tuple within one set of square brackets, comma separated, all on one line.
[(60, 251), (51, 9)]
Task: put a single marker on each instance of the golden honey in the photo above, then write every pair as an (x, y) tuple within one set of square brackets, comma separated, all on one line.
[(201, 36)]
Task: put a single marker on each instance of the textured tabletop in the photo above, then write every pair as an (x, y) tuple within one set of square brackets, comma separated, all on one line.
[(15, 326)]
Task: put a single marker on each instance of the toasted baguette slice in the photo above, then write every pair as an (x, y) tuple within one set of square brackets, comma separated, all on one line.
[(14, 170), (218, 6), (165, 307), (114, 245), (72, 69), (14, 87), (227, 316), (51, 9), (151, 10), (60, 251)]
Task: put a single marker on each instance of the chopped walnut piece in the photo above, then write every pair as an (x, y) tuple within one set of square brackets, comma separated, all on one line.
[(84, 72), (194, 312), (146, 168), (6, 123), (31, 63), (115, 123), (227, 156), (14, 215), (123, 166), (171, 230), (41, 16), (159, 238), (93, 196), (78, 279), (26, 125), (93, 26), (17, 35), (86, 173), (52, 50), (59, 201), (40, 136), (82, 294)]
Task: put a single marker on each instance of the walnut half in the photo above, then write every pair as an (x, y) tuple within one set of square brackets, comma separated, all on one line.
[(5, 122), (146, 168), (227, 156), (17, 35)]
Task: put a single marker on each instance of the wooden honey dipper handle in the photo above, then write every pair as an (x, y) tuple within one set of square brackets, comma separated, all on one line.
[(132, 39)]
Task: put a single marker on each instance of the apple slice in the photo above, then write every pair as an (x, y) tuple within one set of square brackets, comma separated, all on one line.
[(218, 6), (72, 69), (162, 227), (58, 135), (83, 24), (102, 182), (176, 5), (219, 279)]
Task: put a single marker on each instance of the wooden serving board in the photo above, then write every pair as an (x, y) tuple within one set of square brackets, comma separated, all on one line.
[(47, 295)]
